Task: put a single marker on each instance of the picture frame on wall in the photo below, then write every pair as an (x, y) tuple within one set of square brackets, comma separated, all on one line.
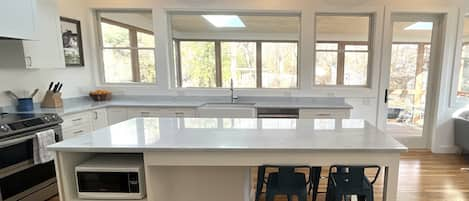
[(72, 42)]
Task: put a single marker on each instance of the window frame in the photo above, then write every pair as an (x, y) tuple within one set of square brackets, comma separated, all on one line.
[(341, 60), (459, 92), (218, 63), (371, 40), (133, 47)]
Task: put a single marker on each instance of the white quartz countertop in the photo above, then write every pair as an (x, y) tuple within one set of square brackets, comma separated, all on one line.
[(214, 134), (84, 104)]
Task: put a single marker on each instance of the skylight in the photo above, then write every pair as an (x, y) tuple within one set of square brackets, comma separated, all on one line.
[(225, 21), (420, 26)]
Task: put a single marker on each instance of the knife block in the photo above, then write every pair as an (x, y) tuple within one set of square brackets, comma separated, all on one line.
[(52, 100)]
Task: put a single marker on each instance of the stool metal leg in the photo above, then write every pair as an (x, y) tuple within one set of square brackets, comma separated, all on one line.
[(260, 181)]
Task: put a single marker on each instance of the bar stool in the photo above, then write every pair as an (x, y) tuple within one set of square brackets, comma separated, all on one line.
[(350, 180), (287, 182)]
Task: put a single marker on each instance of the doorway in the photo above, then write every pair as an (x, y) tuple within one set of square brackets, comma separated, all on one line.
[(410, 61)]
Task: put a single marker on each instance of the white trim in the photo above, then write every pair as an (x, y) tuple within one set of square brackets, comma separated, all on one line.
[(456, 67), (377, 13), (431, 107)]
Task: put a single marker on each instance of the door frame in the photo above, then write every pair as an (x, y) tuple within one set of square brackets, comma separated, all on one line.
[(433, 75)]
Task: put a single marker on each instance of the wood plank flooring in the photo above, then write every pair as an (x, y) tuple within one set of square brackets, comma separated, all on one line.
[(423, 176)]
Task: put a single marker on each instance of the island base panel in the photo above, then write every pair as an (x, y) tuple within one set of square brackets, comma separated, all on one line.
[(198, 183)]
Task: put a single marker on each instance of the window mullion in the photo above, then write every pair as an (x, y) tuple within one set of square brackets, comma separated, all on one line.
[(178, 63), (259, 64), (134, 55), (340, 64), (218, 64)]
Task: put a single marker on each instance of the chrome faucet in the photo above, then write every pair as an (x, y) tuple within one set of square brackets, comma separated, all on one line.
[(234, 99)]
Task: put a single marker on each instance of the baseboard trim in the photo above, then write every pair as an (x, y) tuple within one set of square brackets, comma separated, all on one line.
[(446, 149)]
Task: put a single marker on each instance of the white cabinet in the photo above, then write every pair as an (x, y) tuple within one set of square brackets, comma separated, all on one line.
[(99, 119), (116, 115), (18, 19), (324, 113), (84, 122), (134, 112), (76, 124), (46, 51)]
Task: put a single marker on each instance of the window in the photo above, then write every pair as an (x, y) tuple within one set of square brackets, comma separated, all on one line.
[(279, 65), (256, 51), (342, 50), (197, 63), (239, 63), (128, 47), (463, 86)]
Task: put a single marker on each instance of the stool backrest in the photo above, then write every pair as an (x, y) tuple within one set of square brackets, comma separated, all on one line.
[(354, 175), (286, 176)]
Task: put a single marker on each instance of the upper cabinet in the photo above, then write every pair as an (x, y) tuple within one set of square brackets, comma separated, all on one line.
[(47, 50), (17, 18)]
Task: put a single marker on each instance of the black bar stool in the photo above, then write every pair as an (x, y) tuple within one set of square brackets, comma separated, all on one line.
[(350, 180), (287, 182)]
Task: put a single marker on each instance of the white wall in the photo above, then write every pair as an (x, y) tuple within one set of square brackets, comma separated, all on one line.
[(77, 81)]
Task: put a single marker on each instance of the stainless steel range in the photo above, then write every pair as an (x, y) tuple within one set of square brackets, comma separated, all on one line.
[(20, 179)]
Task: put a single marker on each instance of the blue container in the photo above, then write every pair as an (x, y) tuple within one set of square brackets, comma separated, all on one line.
[(25, 105)]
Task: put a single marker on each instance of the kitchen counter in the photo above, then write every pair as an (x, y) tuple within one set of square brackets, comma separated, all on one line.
[(180, 153), (156, 134), (81, 104)]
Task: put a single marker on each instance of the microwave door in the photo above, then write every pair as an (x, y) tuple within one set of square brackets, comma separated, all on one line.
[(106, 182)]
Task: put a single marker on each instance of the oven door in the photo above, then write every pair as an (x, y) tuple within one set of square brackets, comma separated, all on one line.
[(18, 174)]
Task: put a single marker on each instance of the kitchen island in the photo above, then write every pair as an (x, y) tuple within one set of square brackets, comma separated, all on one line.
[(209, 159)]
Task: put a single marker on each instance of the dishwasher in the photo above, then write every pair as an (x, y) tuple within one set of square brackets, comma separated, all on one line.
[(279, 113)]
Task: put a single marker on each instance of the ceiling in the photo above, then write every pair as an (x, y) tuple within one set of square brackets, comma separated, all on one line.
[(254, 24)]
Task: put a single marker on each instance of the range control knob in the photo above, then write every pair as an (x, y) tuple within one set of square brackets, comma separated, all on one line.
[(3, 128), (46, 118)]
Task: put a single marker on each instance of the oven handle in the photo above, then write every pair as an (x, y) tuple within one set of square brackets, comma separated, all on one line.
[(16, 141)]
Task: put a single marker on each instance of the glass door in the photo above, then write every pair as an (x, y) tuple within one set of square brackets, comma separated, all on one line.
[(409, 67)]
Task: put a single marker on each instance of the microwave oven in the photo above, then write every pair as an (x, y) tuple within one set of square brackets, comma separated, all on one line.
[(111, 176)]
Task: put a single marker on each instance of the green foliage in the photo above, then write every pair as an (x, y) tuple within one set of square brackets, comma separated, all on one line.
[(198, 64)]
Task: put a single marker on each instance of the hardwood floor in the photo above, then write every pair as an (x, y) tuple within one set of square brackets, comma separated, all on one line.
[(423, 176)]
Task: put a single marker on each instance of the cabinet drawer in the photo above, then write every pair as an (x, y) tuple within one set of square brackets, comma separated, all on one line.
[(177, 112), (76, 120), (324, 113), (161, 112), (76, 131)]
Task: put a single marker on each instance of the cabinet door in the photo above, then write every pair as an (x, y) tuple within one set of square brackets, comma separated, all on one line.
[(47, 50), (99, 119), (17, 19), (116, 115)]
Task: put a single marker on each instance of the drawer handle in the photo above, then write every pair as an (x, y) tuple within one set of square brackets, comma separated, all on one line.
[(77, 132), (324, 115), (179, 113), (79, 119)]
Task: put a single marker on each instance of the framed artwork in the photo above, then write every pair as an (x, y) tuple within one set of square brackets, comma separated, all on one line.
[(72, 42)]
